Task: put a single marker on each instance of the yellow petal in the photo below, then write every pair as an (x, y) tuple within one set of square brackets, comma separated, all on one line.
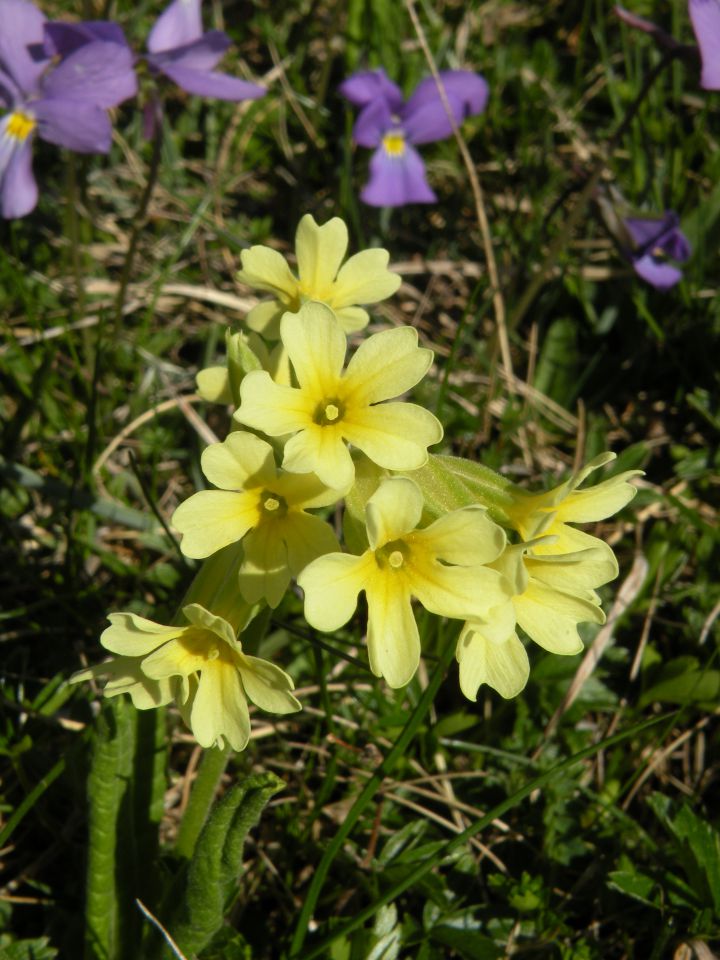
[(550, 617), (365, 278), (219, 710), (198, 616), (265, 317), (465, 537), (393, 511), (134, 636), (460, 592), (598, 502), (565, 540), (394, 435), (180, 657), (272, 408), (320, 251), (264, 572), (266, 269), (305, 490), (393, 638), (213, 385), (212, 519), (307, 538), (320, 450), (316, 346), (241, 460), (386, 365), (124, 675), (583, 570), (352, 319), (502, 666), (331, 585), (267, 685)]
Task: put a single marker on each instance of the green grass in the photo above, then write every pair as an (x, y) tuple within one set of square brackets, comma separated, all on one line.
[(613, 855)]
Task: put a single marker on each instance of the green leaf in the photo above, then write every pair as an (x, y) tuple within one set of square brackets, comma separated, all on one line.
[(213, 870), (449, 483), (683, 681), (634, 884), (39, 949), (108, 922), (697, 846)]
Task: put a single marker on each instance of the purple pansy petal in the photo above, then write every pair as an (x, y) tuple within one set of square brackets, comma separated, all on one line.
[(397, 180), (218, 85), (649, 231), (62, 39), (202, 54), (100, 73), (176, 26), (469, 88), (677, 246), (705, 18), (662, 276), (9, 93), (662, 233), (430, 122), (367, 85), (18, 190), (21, 25), (75, 124), (372, 124)]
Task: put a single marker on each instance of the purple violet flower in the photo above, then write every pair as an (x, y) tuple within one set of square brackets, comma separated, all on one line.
[(705, 18), (394, 128), (182, 52), (64, 104), (655, 239)]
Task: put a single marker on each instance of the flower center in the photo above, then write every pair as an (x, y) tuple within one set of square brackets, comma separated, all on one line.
[(272, 505), (394, 143), (393, 555), (20, 125), (328, 412)]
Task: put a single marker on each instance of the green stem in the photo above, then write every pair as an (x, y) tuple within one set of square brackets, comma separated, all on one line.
[(371, 787), (212, 767), (138, 224), (556, 246)]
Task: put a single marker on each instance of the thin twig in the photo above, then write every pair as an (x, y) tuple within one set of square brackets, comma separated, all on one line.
[(158, 926)]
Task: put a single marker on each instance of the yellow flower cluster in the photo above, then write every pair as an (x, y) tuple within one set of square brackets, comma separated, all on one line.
[(312, 429)]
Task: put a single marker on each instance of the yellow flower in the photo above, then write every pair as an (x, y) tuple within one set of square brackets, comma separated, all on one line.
[(331, 406), (201, 666), (263, 507), (123, 675), (441, 566), (549, 513), (550, 596), (320, 251)]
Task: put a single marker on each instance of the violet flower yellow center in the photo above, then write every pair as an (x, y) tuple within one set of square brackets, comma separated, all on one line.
[(20, 125), (394, 143), (321, 275), (443, 566), (332, 407)]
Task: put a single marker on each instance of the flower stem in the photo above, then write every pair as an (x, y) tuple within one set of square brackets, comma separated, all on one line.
[(212, 767), (138, 224), (371, 787)]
